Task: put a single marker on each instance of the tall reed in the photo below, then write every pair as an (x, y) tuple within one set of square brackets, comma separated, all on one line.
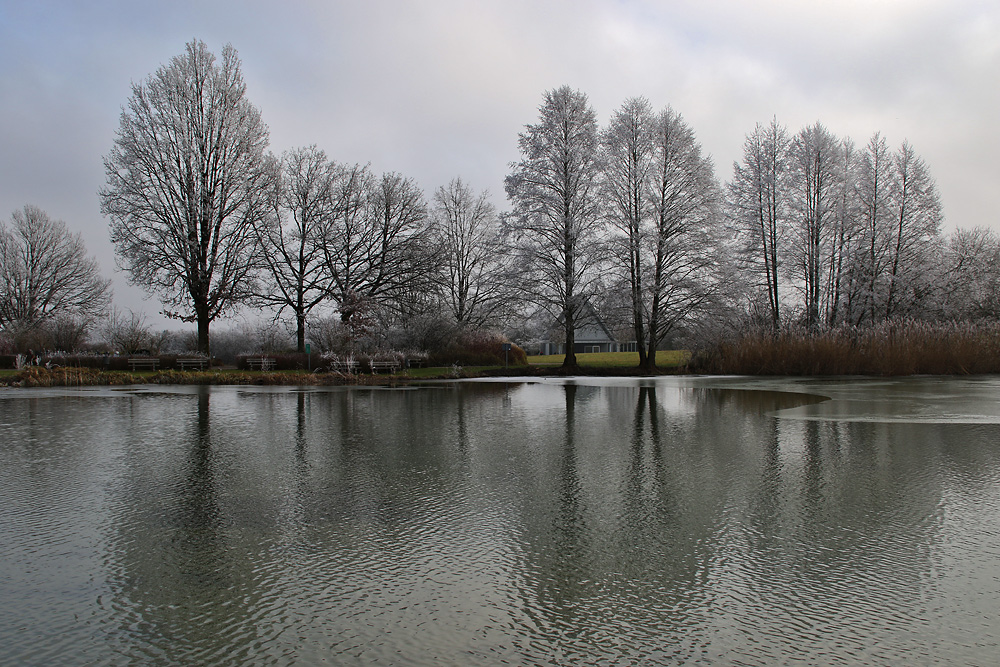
[(906, 347)]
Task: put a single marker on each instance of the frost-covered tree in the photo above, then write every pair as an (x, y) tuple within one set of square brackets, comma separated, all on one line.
[(187, 183), (627, 146), (376, 247), (688, 259), (815, 183), (296, 274), (874, 186), (758, 197), (45, 272), (970, 289), (900, 225), (555, 217), (843, 249), (913, 237), (475, 266)]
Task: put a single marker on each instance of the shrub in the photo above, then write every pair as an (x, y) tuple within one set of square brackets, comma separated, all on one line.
[(249, 340), (127, 333), (114, 362), (478, 348), (285, 361)]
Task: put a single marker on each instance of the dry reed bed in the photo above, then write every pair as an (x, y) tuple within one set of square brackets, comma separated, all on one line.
[(893, 348)]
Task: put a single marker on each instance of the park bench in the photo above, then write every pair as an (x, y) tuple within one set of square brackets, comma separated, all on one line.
[(416, 362), (260, 363), (391, 366), (143, 363), (185, 364)]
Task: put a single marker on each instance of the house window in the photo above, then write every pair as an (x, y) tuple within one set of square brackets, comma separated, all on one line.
[(591, 348)]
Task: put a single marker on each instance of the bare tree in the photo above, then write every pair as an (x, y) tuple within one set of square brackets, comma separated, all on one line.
[(475, 269), (913, 236), (688, 259), (186, 184), (627, 146), (901, 219), (376, 247), (45, 272), (758, 195), (129, 334), (971, 280), (292, 237), (846, 236), (815, 180), (556, 206), (874, 187)]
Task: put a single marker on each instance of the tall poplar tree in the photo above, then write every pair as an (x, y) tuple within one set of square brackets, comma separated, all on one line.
[(553, 189)]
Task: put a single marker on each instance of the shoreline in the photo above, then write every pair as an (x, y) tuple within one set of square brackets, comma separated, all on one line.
[(38, 376)]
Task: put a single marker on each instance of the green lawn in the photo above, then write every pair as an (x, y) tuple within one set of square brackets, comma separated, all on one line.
[(664, 359), (439, 371)]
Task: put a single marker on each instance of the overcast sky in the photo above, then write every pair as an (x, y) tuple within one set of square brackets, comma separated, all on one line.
[(440, 88)]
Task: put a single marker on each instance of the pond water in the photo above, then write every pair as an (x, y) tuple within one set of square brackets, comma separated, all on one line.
[(587, 521)]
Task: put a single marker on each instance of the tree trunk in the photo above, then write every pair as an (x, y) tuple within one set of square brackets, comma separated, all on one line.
[(654, 320), (638, 325), (203, 323), (569, 363), (300, 331)]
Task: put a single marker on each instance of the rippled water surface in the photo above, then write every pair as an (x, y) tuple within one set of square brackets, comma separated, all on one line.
[(676, 521)]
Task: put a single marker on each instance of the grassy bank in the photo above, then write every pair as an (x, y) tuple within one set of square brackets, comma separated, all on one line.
[(38, 376)]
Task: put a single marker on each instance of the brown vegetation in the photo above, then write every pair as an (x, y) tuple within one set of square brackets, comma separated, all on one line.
[(896, 348), (478, 347)]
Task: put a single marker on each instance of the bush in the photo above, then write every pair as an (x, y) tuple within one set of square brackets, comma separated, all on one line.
[(286, 361), (114, 362), (478, 348), (128, 334), (59, 333), (361, 363), (249, 340)]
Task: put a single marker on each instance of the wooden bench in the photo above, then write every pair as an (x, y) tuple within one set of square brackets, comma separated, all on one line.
[(143, 363), (260, 363), (185, 364), (415, 362), (391, 366)]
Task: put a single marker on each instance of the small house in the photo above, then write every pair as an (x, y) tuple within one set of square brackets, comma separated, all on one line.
[(591, 335)]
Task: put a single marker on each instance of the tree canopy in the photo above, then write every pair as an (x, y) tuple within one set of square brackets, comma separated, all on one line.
[(187, 181), (45, 271)]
